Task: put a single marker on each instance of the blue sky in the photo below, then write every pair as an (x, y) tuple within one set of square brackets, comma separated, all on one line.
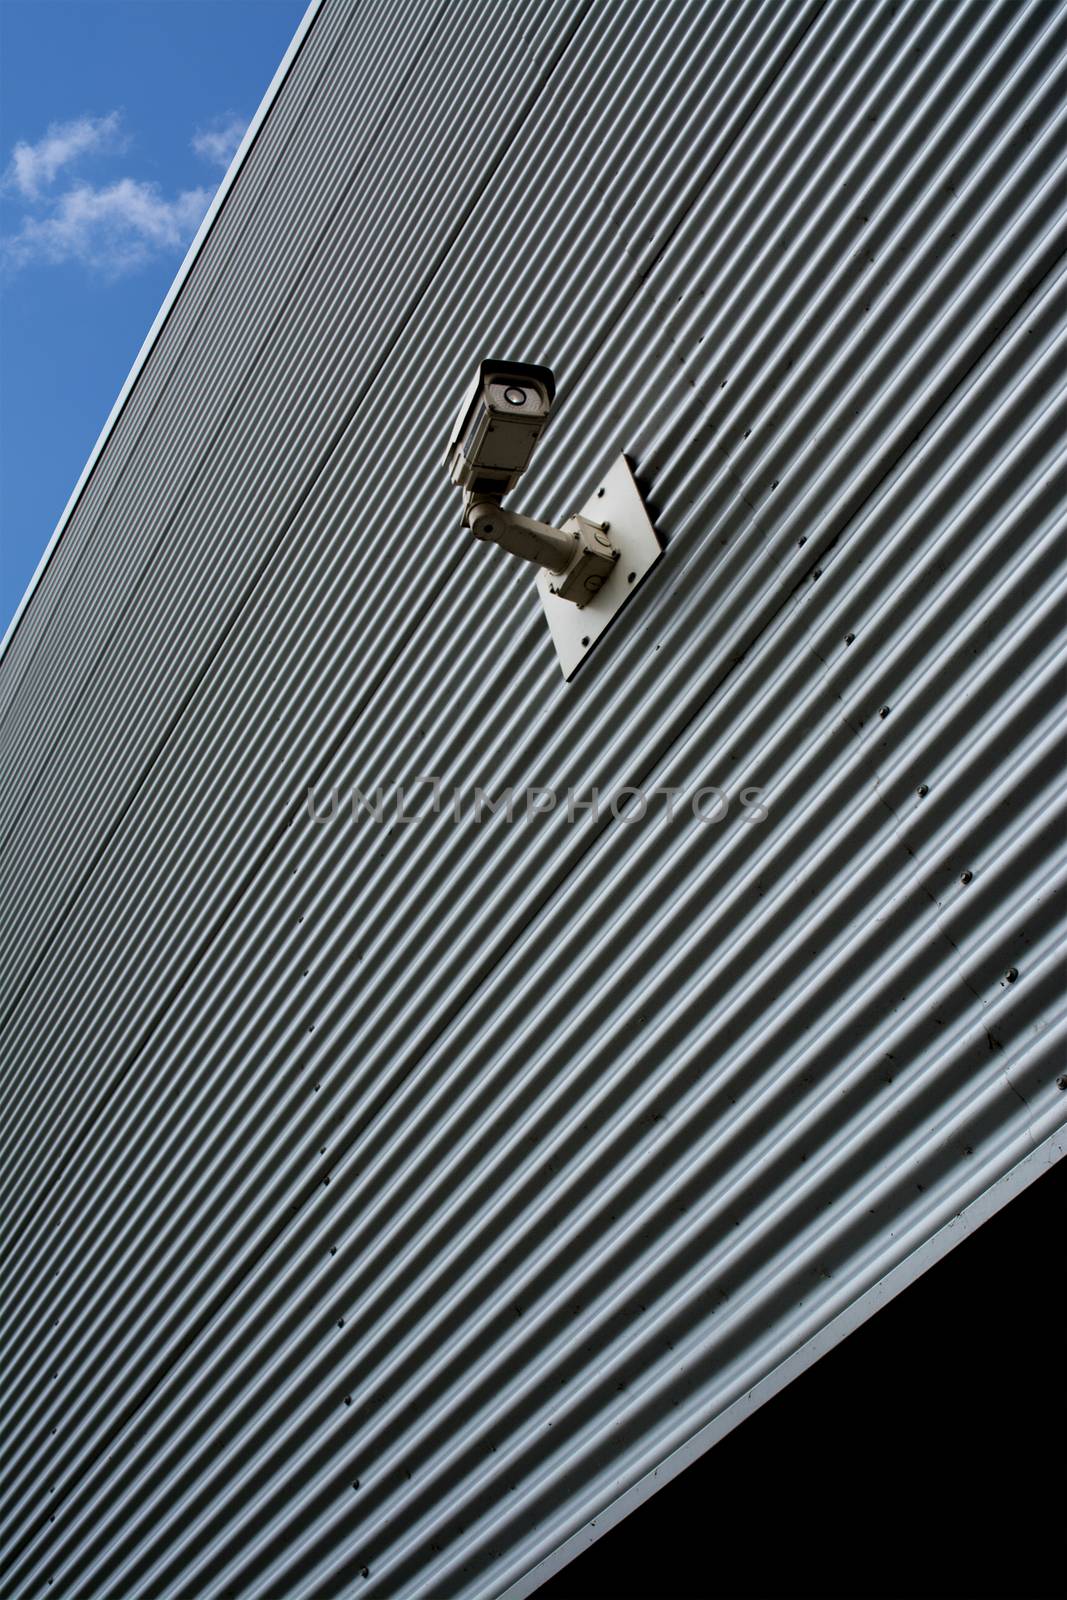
[(117, 122)]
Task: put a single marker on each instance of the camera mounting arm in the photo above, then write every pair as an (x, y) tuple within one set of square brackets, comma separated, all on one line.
[(580, 554), (519, 536)]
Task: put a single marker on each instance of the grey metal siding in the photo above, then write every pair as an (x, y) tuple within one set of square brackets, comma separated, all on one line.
[(492, 1165)]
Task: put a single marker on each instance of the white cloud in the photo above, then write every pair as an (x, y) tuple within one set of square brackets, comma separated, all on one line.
[(34, 166), (219, 139), (112, 229)]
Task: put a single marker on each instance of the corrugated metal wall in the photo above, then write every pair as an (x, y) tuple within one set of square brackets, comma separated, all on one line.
[(385, 1204)]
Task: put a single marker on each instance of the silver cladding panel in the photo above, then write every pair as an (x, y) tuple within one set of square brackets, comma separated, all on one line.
[(493, 1167)]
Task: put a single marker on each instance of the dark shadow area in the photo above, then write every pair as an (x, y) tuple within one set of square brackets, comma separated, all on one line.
[(922, 1459)]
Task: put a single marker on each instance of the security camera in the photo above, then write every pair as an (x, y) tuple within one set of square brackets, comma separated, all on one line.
[(593, 563), (504, 413)]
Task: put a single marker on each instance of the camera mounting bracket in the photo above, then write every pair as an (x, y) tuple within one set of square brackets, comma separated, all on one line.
[(618, 509), (580, 555)]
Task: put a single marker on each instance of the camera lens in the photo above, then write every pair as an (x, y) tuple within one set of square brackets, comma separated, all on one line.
[(515, 397)]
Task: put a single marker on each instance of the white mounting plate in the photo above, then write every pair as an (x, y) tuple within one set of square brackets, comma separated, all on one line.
[(575, 630)]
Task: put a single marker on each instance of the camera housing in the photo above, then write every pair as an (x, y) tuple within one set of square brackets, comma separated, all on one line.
[(504, 413)]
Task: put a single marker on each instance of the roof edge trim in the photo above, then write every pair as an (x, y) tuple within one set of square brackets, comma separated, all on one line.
[(958, 1227)]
